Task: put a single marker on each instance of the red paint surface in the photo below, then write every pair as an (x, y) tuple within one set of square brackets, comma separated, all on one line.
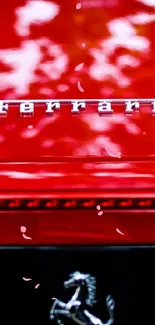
[(76, 227), (39, 54)]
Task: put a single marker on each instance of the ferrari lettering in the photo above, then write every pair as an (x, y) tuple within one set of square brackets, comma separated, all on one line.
[(77, 106)]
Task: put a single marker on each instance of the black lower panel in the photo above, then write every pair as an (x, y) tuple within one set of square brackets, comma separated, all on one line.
[(126, 273)]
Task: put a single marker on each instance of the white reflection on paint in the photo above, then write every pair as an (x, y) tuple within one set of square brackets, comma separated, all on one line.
[(106, 166), (141, 18), (34, 12), (148, 2), (30, 133), (62, 88), (102, 69), (123, 34), (122, 175), (47, 144), (95, 146), (23, 62), (56, 67), (47, 91), (127, 60), (99, 124), (24, 175)]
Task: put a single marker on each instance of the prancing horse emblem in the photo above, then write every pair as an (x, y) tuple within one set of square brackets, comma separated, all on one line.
[(76, 308)]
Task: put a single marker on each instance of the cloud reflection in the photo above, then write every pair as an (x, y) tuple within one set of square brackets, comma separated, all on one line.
[(148, 2), (34, 12), (23, 63)]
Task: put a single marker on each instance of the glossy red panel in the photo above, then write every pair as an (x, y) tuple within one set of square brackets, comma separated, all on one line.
[(77, 50), (68, 49), (76, 227)]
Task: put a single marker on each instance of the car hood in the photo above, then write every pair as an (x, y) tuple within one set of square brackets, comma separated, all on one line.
[(63, 50)]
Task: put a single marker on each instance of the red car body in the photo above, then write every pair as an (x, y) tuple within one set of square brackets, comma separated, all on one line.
[(76, 50)]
